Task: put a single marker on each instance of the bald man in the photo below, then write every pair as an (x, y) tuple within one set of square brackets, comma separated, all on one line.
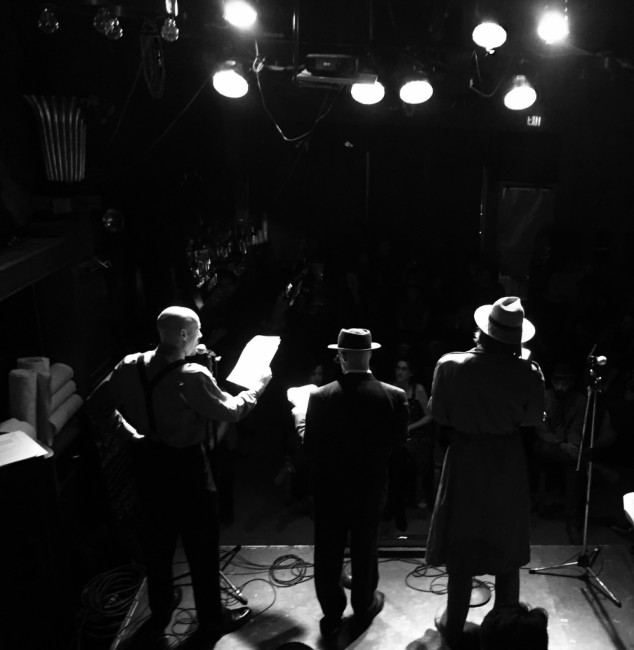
[(163, 404)]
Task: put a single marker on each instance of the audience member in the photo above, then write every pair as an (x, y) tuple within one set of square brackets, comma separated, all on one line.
[(416, 459), (515, 627), (557, 448), (480, 523)]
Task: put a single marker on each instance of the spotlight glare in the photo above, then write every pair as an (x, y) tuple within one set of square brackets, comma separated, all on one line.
[(229, 83), (489, 35), (366, 93), (416, 91), (553, 27), (240, 14), (521, 95)]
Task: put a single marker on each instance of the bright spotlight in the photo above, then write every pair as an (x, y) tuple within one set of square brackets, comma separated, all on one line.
[(553, 27), (521, 94), (366, 93), (489, 35), (229, 82), (416, 91), (240, 14)]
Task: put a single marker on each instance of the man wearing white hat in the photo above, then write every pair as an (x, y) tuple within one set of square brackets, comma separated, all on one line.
[(352, 426), (480, 523)]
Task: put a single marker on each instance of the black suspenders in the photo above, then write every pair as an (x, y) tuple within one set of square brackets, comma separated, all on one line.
[(150, 384)]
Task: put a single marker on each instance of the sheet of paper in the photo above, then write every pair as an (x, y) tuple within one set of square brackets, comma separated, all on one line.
[(17, 445), (298, 395), (254, 360)]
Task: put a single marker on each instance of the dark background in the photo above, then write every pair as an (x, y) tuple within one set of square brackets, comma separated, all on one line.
[(387, 197)]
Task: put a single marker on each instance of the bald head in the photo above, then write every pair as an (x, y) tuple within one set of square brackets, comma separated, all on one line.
[(178, 326)]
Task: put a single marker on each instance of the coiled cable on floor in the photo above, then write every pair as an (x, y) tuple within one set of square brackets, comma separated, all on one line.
[(297, 567), (106, 599)]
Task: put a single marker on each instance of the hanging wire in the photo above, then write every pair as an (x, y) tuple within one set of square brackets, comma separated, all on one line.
[(152, 59), (474, 56), (125, 105), (324, 110), (167, 129)]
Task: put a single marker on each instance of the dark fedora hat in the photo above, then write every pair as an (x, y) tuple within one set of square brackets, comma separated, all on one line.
[(504, 320), (355, 338)]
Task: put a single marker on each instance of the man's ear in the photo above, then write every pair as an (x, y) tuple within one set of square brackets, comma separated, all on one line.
[(184, 334)]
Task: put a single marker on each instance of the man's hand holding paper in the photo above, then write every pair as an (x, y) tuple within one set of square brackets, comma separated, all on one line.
[(253, 368)]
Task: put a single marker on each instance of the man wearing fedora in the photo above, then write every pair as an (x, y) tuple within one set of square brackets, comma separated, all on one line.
[(352, 426), (480, 523)]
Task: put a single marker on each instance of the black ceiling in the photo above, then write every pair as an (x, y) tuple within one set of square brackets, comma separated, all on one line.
[(436, 33)]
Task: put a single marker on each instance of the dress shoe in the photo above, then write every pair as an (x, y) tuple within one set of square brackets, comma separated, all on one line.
[(232, 620), (329, 627), (468, 639), (365, 620)]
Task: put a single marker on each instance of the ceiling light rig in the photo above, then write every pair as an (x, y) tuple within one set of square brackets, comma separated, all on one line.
[(229, 81), (489, 35), (169, 30), (240, 14), (553, 25), (106, 22), (416, 90), (47, 21), (520, 95), (368, 93)]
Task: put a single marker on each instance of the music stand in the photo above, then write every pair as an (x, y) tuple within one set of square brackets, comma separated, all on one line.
[(585, 560)]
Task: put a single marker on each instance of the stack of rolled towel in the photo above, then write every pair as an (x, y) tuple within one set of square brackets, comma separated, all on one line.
[(44, 395)]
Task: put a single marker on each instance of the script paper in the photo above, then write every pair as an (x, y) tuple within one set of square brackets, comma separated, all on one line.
[(254, 360), (16, 446), (298, 396)]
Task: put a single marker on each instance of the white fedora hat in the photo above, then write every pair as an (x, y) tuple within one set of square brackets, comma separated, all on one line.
[(504, 321)]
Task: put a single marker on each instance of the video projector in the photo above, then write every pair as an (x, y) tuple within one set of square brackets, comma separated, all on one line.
[(332, 71)]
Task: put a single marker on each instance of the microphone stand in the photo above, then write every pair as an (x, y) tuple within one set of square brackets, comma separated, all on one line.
[(586, 559)]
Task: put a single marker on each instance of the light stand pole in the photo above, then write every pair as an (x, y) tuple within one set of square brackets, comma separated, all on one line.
[(585, 560)]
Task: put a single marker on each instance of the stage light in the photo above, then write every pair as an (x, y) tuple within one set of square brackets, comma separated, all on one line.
[(489, 35), (116, 31), (47, 21), (368, 93), (521, 94), (553, 27), (102, 21), (240, 14), (229, 82), (416, 91), (169, 30)]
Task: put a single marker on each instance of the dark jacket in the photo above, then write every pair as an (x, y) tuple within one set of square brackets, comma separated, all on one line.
[(352, 426)]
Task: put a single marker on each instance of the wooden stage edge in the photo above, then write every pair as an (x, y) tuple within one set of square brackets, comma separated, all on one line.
[(277, 583)]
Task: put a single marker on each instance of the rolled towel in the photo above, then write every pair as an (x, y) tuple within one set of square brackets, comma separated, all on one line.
[(13, 424), (23, 395), (64, 412), (60, 375), (42, 366), (63, 394), (34, 363)]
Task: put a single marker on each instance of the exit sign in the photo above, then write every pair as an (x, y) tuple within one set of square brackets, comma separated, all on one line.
[(534, 120)]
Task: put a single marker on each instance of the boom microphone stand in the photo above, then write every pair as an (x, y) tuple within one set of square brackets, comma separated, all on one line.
[(585, 559)]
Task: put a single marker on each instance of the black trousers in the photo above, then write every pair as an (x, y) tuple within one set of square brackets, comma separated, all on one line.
[(340, 518), (177, 498)]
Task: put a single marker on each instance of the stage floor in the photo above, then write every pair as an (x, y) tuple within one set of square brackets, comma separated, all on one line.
[(277, 582)]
